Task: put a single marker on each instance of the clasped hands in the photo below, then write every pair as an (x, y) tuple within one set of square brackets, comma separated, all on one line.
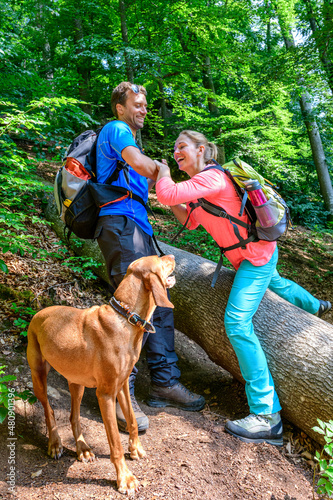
[(163, 169)]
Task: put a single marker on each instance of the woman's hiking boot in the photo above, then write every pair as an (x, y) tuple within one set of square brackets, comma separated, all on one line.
[(324, 307), (257, 429)]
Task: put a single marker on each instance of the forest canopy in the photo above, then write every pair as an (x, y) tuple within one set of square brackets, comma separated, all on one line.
[(255, 76)]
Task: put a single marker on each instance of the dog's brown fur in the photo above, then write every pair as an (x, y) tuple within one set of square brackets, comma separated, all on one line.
[(97, 347)]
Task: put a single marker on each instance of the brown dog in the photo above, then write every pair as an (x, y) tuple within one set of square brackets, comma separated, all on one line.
[(98, 347)]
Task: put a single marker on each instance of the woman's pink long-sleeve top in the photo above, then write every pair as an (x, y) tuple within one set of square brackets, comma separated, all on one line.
[(216, 187)]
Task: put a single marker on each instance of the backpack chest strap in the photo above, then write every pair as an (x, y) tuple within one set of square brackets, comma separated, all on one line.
[(218, 212)]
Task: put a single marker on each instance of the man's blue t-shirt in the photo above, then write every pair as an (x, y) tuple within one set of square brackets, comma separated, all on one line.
[(113, 138)]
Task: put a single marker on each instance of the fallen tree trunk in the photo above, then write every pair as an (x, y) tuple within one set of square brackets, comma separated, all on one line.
[(298, 346)]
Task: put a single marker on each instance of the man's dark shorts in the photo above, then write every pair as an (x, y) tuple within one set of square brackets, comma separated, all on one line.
[(121, 241)]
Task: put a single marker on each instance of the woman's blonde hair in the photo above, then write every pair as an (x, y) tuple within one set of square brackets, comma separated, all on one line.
[(200, 140)]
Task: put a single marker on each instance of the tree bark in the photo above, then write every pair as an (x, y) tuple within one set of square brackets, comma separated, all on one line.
[(208, 83), (321, 41), (128, 62), (83, 66), (163, 109), (298, 345), (318, 153), (124, 34)]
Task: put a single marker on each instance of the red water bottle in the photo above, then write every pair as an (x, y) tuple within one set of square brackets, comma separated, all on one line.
[(266, 212), (255, 192)]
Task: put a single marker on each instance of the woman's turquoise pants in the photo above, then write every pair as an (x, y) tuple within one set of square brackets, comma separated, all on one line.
[(248, 289)]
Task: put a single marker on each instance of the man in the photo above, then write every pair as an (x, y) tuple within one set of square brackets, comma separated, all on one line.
[(124, 234)]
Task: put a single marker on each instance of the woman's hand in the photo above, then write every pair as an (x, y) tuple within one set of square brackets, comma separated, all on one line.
[(163, 169)]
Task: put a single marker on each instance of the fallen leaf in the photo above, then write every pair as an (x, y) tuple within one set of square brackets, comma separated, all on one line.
[(37, 473)]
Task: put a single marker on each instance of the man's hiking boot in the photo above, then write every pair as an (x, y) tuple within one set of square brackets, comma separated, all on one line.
[(177, 396), (141, 418), (324, 307), (257, 429)]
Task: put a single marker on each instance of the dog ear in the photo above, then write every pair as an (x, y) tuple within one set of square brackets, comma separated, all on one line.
[(153, 283)]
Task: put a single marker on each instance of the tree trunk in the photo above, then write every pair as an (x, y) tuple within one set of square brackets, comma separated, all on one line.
[(163, 108), (321, 43), (83, 66), (318, 153), (128, 62), (298, 346), (312, 128), (208, 83), (124, 34)]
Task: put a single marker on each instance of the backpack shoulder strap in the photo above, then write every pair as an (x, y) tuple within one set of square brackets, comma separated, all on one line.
[(121, 165), (216, 209), (215, 165), (91, 158)]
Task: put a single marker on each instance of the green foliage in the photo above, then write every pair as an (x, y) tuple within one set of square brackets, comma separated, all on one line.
[(26, 395), (3, 266), (324, 467), (46, 119), (82, 266), (221, 68), (4, 379), (25, 314)]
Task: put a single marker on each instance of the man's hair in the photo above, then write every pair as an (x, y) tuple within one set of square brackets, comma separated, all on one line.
[(121, 92)]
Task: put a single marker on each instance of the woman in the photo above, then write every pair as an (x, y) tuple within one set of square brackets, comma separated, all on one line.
[(255, 272)]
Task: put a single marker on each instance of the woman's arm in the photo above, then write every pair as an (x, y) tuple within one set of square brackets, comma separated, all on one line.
[(163, 169), (180, 212), (202, 185)]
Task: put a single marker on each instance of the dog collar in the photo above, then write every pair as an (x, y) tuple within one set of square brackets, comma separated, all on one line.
[(132, 317)]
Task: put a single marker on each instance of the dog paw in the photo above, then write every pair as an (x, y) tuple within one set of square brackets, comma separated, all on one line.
[(141, 452), (55, 450), (136, 453), (128, 485), (86, 456), (84, 453), (135, 449)]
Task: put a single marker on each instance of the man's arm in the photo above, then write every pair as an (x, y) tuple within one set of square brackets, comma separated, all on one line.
[(151, 184), (142, 164)]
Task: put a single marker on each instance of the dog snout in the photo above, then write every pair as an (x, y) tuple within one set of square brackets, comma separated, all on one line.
[(170, 259), (170, 282)]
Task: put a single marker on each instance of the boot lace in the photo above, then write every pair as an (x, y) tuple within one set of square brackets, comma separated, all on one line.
[(186, 390), (253, 416)]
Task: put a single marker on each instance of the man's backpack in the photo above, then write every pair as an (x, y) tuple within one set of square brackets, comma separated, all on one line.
[(244, 178), (78, 196)]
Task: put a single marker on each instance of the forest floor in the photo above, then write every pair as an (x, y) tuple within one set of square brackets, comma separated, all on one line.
[(189, 456)]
